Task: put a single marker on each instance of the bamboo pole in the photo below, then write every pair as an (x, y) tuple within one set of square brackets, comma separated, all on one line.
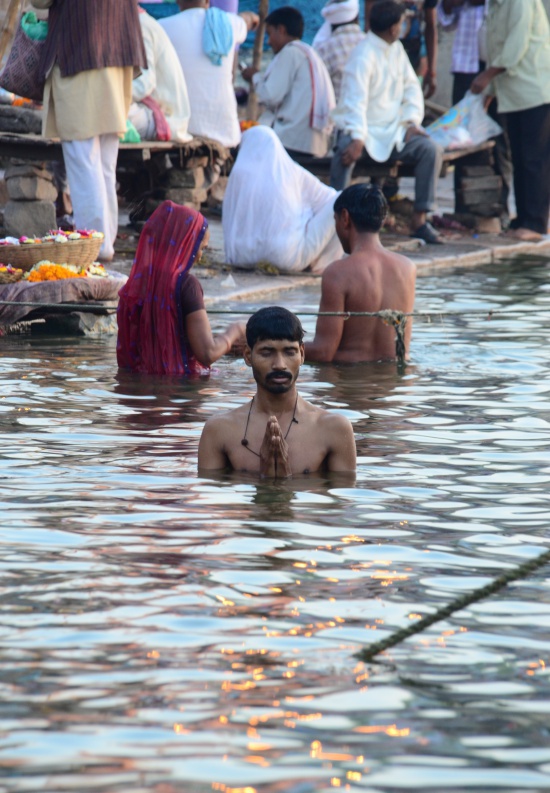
[(10, 22), (257, 52)]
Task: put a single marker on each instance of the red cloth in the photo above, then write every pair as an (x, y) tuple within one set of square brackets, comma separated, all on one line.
[(161, 125), (151, 325)]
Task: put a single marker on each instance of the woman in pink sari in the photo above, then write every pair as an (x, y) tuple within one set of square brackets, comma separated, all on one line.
[(163, 327)]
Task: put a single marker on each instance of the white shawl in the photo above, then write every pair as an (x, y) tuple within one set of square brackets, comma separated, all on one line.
[(276, 211)]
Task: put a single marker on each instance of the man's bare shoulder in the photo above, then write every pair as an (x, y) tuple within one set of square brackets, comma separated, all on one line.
[(374, 257), (401, 261), (337, 273), (226, 420), (329, 421), (334, 422)]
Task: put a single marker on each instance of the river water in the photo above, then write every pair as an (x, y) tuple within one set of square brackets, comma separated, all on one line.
[(162, 632)]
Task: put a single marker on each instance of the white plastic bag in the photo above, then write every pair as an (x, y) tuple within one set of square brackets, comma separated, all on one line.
[(465, 124)]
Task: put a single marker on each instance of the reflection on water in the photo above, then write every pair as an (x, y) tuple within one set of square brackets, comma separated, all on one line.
[(165, 633)]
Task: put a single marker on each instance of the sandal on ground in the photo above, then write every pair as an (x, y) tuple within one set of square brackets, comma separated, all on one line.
[(427, 233)]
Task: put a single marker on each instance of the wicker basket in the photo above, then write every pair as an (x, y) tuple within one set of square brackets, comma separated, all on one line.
[(10, 278), (79, 252)]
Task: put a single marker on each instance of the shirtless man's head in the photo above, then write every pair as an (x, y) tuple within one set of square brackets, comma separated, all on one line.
[(277, 433), (359, 209)]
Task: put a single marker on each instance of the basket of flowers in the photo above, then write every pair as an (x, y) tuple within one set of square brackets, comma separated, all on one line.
[(9, 274), (74, 247)]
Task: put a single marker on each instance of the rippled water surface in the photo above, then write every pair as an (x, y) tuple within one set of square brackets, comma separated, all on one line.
[(162, 632)]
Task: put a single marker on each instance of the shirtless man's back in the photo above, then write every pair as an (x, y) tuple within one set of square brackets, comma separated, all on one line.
[(370, 279)]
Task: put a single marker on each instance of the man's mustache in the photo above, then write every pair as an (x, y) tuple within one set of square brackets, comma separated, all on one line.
[(273, 375)]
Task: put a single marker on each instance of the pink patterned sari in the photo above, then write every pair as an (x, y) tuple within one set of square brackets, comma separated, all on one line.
[(151, 323)]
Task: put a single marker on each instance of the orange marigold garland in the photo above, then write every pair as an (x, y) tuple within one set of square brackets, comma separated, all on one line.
[(53, 272)]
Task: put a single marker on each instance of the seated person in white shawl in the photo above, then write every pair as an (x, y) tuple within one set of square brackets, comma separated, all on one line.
[(381, 108), (338, 36), (296, 89), (160, 104), (275, 211)]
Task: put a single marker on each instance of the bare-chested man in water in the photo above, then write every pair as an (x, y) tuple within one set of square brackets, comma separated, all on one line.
[(371, 278), (277, 433)]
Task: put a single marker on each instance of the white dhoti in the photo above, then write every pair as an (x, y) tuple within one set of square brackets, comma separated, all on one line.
[(88, 111), (91, 173)]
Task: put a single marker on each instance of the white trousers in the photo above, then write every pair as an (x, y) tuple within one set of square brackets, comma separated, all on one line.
[(91, 173)]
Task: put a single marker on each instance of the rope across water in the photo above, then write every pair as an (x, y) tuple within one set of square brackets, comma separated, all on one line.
[(397, 319), (522, 571)]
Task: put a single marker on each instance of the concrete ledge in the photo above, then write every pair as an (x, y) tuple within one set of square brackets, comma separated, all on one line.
[(224, 284)]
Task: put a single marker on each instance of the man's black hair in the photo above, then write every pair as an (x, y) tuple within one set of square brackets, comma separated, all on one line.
[(385, 14), (290, 18), (273, 322), (366, 205)]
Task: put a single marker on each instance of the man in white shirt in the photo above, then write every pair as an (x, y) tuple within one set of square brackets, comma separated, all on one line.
[(296, 89), (209, 83), (159, 88), (381, 109)]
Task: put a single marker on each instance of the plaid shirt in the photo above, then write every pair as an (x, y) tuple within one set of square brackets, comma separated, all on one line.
[(466, 20), (336, 50)]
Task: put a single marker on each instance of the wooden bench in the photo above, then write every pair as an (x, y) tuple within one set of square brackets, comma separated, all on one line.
[(367, 167), (35, 147), (148, 172)]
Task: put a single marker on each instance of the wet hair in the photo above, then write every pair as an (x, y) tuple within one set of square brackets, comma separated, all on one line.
[(273, 322), (366, 205), (290, 18), (385, 14)]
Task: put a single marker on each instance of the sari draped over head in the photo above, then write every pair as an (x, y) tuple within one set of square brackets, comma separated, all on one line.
[(151, 323)]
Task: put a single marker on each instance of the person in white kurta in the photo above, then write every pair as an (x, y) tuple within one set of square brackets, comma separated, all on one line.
[(88, 111), (162, 81), (275, 211), (210, 87), (295, 90), (380, 109)]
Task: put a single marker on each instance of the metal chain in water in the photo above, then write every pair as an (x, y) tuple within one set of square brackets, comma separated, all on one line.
[(455, 605)]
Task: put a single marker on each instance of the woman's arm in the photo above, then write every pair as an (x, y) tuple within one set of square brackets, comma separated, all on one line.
[(206, 346)]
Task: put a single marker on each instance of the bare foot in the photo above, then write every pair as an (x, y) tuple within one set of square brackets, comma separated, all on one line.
[(274, 452), (525, 235)]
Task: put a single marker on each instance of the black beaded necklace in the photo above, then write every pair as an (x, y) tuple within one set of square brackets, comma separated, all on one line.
[(293, 420)]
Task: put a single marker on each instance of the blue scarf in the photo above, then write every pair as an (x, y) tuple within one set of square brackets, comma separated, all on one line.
[(217, 36)]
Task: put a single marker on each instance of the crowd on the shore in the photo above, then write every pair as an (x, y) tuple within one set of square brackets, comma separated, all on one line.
[(352, 94)]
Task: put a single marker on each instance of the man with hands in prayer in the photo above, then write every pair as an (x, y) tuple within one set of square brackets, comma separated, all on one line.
[(277, 434)]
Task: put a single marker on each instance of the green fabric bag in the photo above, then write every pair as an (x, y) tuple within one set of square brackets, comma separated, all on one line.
[(131, 135), (36, 29)]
